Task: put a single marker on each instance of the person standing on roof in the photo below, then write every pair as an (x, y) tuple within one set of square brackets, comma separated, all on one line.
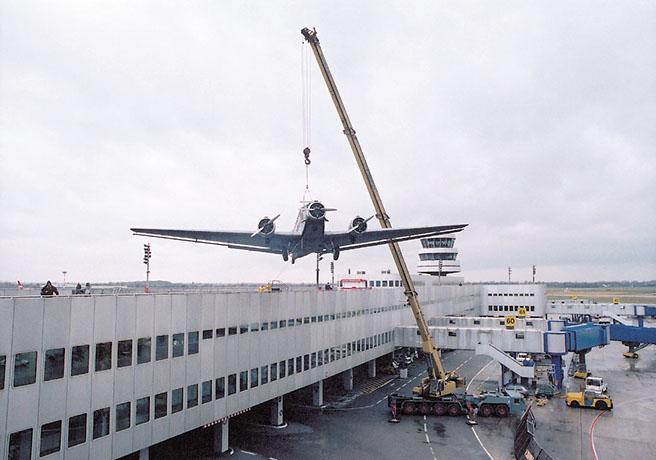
[(87, 288), (49, 289)]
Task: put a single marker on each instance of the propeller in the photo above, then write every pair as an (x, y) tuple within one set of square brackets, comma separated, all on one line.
[(360, 223), (261, 228)]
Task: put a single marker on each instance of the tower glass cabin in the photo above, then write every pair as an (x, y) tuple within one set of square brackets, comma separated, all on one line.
[(438, 256)]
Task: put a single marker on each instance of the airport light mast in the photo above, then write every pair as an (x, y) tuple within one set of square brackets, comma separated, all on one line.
[(439, 382), (146, 260)]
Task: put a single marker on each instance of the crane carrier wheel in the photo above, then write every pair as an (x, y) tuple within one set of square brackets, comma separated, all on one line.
[(501, 410), (439, 409), (453, 409), (409, 408), (486, 410), (424, 408)]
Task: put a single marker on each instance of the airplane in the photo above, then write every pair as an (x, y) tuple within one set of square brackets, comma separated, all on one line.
[(308, 236)]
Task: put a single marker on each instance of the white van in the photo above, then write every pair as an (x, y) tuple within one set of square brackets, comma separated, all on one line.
[(595, 384)]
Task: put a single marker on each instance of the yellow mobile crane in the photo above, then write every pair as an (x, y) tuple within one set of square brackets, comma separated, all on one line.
[(437, 393), (439, 383)]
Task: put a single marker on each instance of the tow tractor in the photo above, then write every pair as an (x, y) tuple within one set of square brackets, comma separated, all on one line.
[(437, 393), (589, 399)]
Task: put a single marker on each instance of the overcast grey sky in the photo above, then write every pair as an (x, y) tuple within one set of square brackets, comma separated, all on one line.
[(534, 122)]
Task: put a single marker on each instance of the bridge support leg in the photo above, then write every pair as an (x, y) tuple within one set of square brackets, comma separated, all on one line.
[(347, 379), (557, 362), (277, 412), (221, 437), (371, 368), (317, 394), (143, 453)]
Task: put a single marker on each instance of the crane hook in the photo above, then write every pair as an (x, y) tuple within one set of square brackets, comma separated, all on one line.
[(306, 152)]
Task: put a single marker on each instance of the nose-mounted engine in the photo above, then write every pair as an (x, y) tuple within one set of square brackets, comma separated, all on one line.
[(316, 210)]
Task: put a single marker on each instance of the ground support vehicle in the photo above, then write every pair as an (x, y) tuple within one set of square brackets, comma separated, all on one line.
[(589, 399), (488, 404)]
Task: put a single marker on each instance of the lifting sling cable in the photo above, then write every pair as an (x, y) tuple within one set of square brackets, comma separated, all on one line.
[(306, 109)]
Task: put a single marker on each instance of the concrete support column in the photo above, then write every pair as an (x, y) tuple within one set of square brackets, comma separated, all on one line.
[(277, 412), (221, 437), (317, 394), (347, 379), (143, 453), (371, 368)]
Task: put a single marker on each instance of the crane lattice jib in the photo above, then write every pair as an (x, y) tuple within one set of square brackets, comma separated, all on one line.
[(427, 345)]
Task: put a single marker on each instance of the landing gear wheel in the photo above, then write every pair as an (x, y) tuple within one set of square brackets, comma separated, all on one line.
[(486, 410), (424, 409), (501, 410), (453, 410), (409, 408), (601, 405), (439, 409)]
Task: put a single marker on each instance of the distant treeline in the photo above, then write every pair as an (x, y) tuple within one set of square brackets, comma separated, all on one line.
[(585, 284), (169, 284)]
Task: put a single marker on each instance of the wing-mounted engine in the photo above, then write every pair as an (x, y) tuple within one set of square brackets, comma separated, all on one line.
[(359, 225), (266, 226)]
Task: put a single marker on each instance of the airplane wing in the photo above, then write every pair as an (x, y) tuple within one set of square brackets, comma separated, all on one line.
[(236, 240), (354, 240)]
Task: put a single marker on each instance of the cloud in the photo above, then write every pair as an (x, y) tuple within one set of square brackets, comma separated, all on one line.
[(532, 122)]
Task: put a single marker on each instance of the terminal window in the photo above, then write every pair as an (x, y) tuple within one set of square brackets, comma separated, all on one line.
[(255, 327), (207, 334), (232, 330), (3, 365), (50, 438), (123, 416), (177, 397), (232, 384), (206, 389), (282, 369), (178, 345), (103, 356), (274, 372), (161, 347), (20, 445), (254, 377), (143, 350), (79, 360), (243, 381), (100, 423), (124, 357), (143, 411), (290, 366), (192, 345), (265, 326), (25, 369), (161, 405), (220, 332), (192, 396), (243, 329), (54, 364), (219, 388), (77, 430)]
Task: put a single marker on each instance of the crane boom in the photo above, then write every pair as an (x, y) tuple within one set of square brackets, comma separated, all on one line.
[(439, 382)]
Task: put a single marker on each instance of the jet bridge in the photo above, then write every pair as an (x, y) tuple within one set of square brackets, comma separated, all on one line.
[(490, 337)]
